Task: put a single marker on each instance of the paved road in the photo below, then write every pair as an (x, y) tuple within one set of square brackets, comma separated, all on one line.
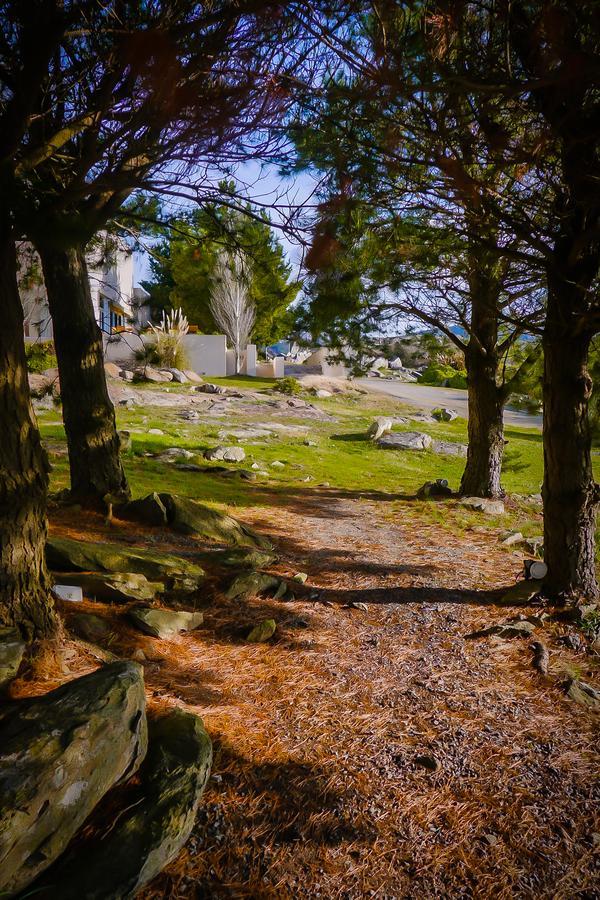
[(426, 397)]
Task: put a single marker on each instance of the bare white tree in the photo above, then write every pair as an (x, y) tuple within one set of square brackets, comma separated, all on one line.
[(230, 303)]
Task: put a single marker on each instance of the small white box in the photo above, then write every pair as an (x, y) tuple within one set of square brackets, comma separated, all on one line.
[(68, 592)]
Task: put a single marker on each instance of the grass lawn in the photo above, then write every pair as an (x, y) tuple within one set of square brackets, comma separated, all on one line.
[(341, 460)]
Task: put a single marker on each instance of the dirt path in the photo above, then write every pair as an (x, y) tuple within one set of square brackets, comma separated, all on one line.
[(375, 752)]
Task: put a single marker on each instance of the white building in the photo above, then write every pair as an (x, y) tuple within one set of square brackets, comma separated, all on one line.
[(116, 301)]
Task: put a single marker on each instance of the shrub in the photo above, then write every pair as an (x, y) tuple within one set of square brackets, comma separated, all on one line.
[(288, 385), (40, 356), (442, 375), (168, 350)]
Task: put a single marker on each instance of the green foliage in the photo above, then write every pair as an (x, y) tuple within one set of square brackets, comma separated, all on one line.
[(40, 356), (184, 265), (444, 376), (288, 385)]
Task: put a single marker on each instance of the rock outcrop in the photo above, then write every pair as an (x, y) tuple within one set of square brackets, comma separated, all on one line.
[(65, 555), (156, 825), (59, 755), (405, 440), (164, 623)]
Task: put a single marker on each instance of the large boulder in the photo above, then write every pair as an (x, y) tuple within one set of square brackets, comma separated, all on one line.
[(112, 369), (247, 586), (379, 426), (164, 623), (149, 510), (484, 505), (189, 517), (118, 587), (225, 454), (59, 755), (154, 827), (443, 414), (193, 376), (66, 555), (12, 648), (39, 385), (405, 440), (450, 448)]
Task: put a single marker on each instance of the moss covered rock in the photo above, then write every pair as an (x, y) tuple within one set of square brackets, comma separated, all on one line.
[(164, 623), (189, 517), (118, 587), (12, 648), (160, 817), (66, 555), (59, 755)]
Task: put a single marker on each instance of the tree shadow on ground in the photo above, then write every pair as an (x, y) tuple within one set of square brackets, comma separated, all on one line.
[(291, 802)]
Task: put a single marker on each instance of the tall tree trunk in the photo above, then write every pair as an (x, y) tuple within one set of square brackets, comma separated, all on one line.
[(89, 415), (481, 477), (482, 473), (570, 493), (25, 600)]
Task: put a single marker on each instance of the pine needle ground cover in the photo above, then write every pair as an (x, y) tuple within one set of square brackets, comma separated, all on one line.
[(368, 748)]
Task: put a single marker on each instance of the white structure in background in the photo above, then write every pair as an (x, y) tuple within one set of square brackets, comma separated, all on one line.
[(110, 267)]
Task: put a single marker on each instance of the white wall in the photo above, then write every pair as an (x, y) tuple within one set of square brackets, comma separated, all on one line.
[(207, 353), (274, 368), (249, 360), (230, 362)]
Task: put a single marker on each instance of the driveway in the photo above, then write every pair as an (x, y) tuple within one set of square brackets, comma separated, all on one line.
[(426, 397)]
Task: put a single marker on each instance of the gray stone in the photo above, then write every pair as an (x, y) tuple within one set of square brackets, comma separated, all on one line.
[(262, 632), (178, 376), (438, 488), (209, 388), (39, 385), (322, 394), (247, 586), (379, 426), (89, 627), (160, 816), (277, 464), (149, 510), (583, 694), (151, 374), (443, 414), (155, 431), (174, 453), (405, 440), (112, 369), (226, 454), (507, 539), (164, 623), (484, 505), (450, 448), (189, 517), (505, 630), (66, 555), (59, 755), (118, 587), (193, 376), (12, 648)]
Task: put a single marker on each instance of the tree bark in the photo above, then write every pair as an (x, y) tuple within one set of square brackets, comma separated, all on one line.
[(569, 491), (89, 416), (25, 600), (482, 473)]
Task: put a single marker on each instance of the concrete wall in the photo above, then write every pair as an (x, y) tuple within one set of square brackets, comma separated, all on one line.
[(274, 368), (249, 360), (207, 353), (230, 362), (121, 348)]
